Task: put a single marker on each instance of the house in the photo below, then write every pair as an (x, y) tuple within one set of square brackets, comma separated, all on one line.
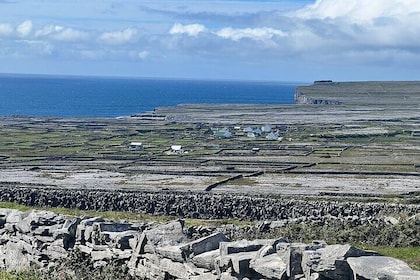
[(266, 128), (257, 132), (248, 129), (176, 149), (251, 135), (136, 146), (272, 136), (222, 133)]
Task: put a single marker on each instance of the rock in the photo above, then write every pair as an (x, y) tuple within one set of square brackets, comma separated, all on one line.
[(330, 261), (204, 244), (174, 269), (166, 234), (15, 216), (121, 254), (105, 255), (240, 262), (270, 266), (116, 227), (15, 256), (119, 239), (227, 248), (173, 253), (380, 267), (84, 229), (391, 220), (206, 259)]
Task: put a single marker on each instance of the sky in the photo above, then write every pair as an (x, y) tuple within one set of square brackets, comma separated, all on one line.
[(277, 40)]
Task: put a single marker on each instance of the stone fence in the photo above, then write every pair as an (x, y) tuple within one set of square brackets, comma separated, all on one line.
[(199, 205), (165, 251)]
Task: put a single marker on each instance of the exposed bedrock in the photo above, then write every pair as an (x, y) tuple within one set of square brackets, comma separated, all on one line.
[(43, 240), (301, 98)]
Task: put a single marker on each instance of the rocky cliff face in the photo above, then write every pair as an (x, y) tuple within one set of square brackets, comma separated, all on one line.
[(301, 98), (167, 251)]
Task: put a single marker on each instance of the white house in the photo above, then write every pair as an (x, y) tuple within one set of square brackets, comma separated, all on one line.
[(176, 149), (136, 145)]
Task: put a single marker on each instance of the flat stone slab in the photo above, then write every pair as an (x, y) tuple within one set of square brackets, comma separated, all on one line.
[(380, 267)]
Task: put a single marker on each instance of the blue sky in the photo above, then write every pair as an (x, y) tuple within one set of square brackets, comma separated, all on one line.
[(279, 40)]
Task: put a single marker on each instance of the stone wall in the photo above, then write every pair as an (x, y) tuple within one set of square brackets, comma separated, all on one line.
[(201, 205), (167, 251)]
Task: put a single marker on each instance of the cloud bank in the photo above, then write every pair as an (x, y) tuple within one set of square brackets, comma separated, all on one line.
[(329, 33)]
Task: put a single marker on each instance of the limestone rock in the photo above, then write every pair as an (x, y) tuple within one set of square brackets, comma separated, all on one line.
[(227, 248), (270, 266), (206, 260), (173, 253), (167, 234), (380, 267), (204, 244), (330, 261)]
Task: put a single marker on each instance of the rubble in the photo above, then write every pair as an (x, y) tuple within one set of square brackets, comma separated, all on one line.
[(163, 251)]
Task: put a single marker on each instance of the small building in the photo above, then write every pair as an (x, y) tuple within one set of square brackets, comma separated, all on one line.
[(136, 146), (272, 136), (177, 149), (266, 128), (251, 135), (258, 132), (248, 129), (222, 133)]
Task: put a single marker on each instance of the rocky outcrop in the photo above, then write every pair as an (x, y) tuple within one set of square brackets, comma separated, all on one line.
[(301, 98), (166, 251)]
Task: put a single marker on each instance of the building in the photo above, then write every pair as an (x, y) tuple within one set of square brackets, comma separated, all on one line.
[(136, 146)]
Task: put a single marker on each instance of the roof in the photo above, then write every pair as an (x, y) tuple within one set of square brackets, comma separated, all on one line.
[(176, 147), (136, 144)]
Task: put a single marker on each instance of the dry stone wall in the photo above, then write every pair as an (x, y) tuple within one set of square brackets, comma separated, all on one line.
[(200, 205), (167, 251)]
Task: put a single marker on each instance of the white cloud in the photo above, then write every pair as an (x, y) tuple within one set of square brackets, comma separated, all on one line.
[(47, 30), (5, 29), (189, 29), (60, 33), (118, 37), (92, 54), (359, 10), (25, 28), (70, 35), (143, 54), (258, 34)]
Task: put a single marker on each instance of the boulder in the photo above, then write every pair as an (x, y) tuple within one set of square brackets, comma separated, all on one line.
[(204, 244), (240, 262), (104, 255), (116, 227), (166, 234), (173, 253), (380, 267), (330, 261), (175, 269), (270, 266), (15, 255), (241, 246), (206, 259), (84, 229)]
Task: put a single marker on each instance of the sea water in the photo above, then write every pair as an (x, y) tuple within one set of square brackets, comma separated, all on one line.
[(64, 96)]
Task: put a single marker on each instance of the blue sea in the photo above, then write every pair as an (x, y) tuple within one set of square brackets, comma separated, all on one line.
[(69, 96)]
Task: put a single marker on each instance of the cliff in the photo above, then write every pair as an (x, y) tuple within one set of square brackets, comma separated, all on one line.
[(359, 93)]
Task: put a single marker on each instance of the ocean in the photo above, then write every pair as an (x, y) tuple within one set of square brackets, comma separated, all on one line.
[(69, 96)]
